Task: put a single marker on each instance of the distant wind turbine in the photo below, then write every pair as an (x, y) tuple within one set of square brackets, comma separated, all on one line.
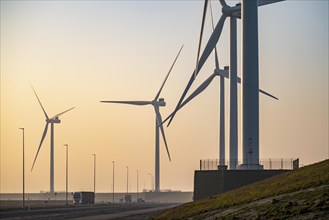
[(156, 102), (50, 121)]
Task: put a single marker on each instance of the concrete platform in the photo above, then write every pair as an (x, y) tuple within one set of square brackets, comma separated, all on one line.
[(213, 182)]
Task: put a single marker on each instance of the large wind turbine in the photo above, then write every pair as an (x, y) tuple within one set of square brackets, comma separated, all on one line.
[(156, 102), (233, 13), (222, 74), (53, 120), (250, 106), (227, 11)]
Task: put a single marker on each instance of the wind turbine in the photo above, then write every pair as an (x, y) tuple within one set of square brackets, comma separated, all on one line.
[(222, 73), (53, 120), (227, 11), (233, 13), (250, 100), (156, 102)]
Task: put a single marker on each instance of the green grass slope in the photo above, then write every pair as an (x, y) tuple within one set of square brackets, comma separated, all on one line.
[(310, 181)]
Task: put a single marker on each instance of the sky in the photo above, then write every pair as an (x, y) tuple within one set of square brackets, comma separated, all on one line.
[(76, 53)]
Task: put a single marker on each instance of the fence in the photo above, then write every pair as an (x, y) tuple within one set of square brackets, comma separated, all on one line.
[(267, 164)]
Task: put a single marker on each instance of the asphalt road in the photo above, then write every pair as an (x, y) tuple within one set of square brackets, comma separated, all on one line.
[(99, 212)]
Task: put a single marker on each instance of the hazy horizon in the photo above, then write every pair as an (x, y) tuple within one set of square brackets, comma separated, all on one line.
[(77, 53)]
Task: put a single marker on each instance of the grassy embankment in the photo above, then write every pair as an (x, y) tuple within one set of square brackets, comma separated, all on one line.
[(307, 177)]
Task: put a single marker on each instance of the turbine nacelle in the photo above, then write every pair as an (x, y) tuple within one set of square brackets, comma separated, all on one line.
[(161, 102), (53, 120), (224, 72), (235, 11), (231, 11)]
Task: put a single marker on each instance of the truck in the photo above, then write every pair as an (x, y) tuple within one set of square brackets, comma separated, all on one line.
[(83, 198), (127, 198)]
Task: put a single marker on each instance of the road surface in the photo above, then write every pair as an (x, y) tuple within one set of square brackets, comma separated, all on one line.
[(97, 212)]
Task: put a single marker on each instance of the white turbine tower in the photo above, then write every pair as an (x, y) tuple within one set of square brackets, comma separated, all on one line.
[(156, 102), (250, 100), (53, 120)]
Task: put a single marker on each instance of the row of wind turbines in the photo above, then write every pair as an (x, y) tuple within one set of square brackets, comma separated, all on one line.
[(156, 102), (250, 99), (248, 13)]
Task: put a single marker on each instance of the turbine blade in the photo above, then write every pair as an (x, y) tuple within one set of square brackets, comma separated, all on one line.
[(62, 113), (216, 59), (199, 90), (169, 116), (211, 45), (130, 102), (157, 95), (159, 122), (223, 3), (40, 102), (266, 2), (212, 17), (268, 94), (208, 49), (224, 73), (260, 90), (42, 138), (212, 25), (200, 38)]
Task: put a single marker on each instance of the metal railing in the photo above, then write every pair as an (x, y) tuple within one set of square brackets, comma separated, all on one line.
[(266, 164)]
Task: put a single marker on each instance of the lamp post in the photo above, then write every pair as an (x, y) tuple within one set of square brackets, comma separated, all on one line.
[(94, 173), (23, 170), (67, 173), (137, 185), (151, 194), (113, 183), (127, 178), (151, 181)]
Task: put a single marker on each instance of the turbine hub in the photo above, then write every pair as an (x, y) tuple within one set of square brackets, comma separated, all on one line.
[(53, 120), (222, 72), (162, 102)]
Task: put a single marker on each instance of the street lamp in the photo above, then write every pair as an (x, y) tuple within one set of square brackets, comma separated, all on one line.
[(94, 173), (127, 178), (113, 183), (137, 185), (67, 172), (23, 170), (151, 181)]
